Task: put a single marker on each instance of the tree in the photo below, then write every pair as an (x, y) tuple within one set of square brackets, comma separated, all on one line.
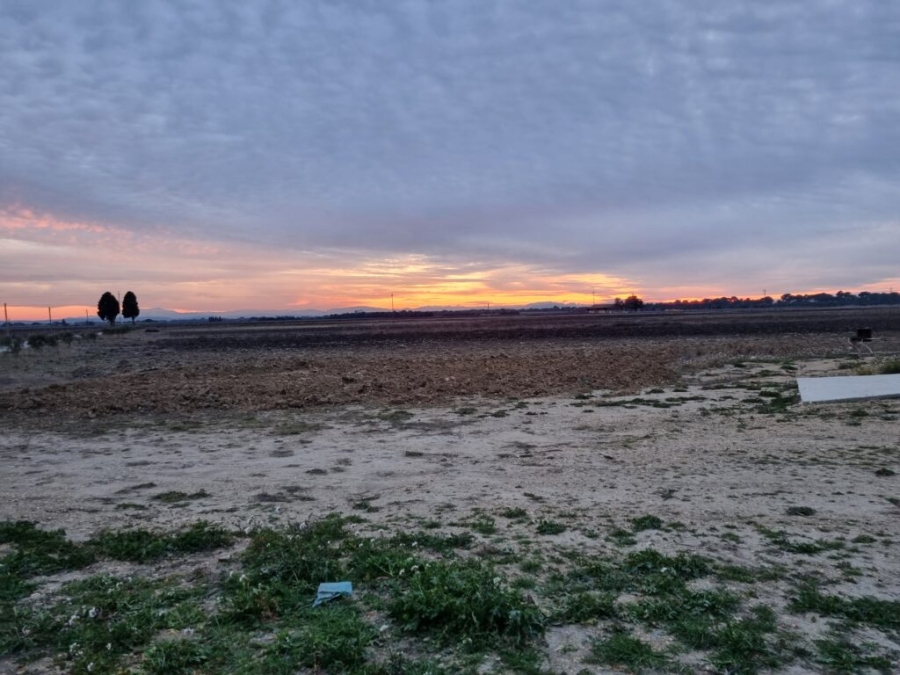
[(633, 303), (108, 308), (130, 309)]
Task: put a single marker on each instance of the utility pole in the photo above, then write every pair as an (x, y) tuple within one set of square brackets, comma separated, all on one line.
[(392, 303), (50, 316), (6, 319), (594, 296)]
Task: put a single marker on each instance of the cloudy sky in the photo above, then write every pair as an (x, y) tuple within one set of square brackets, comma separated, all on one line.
[(214, 155)]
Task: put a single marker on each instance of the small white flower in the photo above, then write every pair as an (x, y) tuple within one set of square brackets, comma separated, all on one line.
[(90, 667), (72, 619), (402, 571), (414, 569), (242, 578), (73, 647), (109, 646), (496, 581), (187, 631), (92, 613)]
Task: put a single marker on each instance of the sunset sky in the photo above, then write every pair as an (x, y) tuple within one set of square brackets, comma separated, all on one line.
[(223, 155)]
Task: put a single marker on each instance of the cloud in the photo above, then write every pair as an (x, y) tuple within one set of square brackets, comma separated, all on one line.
[(662, 142)]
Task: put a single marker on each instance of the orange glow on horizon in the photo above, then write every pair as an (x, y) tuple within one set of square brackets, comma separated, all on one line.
[(30, 314), (45, 260)]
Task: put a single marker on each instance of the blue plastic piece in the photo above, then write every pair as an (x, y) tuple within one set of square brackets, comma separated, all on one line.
[(331, 590)]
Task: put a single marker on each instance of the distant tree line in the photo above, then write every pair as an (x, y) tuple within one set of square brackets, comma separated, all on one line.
[(839, 299)]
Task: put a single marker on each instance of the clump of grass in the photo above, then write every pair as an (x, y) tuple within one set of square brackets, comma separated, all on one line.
[(647, 522), (840, 655), (438, 543), (624, 650), (365, 505), (514, 513), (586, 607), (885, 472), (101, 619), (376, 559), (862, 610), (303, 558), (466, 410), (780, 539), (681, 603), (40, 551), (396, 418), (173, 657), (891, 367), (334, 637), (134, 506), (621, 537), (176, 496), (464, 600), (143, 546), (742, 647), (778, 402), (484, 525), (295, 428), (800, 511), (550, 527)]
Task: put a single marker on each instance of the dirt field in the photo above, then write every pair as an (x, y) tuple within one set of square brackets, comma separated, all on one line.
[(684, 437)]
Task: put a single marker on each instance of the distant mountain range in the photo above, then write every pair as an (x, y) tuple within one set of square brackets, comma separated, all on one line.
[(163, 314)]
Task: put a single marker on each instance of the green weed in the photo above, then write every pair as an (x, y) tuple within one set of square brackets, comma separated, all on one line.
[(550, 527), (624, 650), (646, 523), (176, 497), (464, 600), (862, 610)]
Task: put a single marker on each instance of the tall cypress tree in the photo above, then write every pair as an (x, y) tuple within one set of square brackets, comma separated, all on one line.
[(130, 309)]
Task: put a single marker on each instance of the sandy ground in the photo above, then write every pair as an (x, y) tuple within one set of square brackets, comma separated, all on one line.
[(703, 453), (705, 463)]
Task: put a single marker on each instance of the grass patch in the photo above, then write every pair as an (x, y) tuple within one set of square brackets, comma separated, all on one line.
[(295, 428), (484, 525), (840, 655), (549, 527), (646, 523), (586, 607), (626, 651), (396, 418), (464, 600), (101, 619), (864, 610), (780, 539), (176, 497), (142, 546)]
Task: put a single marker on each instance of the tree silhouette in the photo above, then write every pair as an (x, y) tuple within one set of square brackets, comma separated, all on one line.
[(130, 309), (633, 303), (108, 308)]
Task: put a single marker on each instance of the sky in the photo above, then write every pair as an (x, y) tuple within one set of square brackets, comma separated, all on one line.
[(219, 155)]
